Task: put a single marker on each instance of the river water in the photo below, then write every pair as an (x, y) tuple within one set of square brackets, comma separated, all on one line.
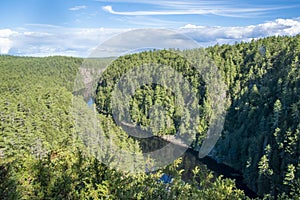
[(218, 169), (190, 160)]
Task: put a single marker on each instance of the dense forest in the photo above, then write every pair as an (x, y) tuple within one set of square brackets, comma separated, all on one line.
[(48, 149), (261, 133)]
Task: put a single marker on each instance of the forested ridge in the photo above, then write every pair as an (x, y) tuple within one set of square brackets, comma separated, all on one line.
[(43, 156), (261, 133)]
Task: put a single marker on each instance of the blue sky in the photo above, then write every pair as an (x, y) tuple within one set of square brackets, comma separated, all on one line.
[(75, 27)]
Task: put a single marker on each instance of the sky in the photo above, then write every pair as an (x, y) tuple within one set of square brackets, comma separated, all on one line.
[(77, 27)]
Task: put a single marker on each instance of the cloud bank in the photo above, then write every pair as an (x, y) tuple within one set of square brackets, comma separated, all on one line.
[(206, 35), (45, 40)]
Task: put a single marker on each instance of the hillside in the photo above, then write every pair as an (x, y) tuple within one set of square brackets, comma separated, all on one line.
[(49, 136), (261, 132)]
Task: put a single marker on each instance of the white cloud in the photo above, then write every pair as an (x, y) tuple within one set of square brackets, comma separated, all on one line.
[(162, 12), (5, 40), (75, 8), (137, 39), (6, 32), (42, 40), (198, 8), (146, 21), (212, 35), (5, 45), (36, 34)]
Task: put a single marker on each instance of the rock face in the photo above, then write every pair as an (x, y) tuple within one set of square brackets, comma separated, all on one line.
[(87, 75), (87, 81)]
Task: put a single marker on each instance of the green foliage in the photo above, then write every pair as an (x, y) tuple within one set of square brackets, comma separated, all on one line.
[(48, 150), (264, 89), (48, 143)]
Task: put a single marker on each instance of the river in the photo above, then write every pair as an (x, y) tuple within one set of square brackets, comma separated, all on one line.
[(219, 169), (190, 160)]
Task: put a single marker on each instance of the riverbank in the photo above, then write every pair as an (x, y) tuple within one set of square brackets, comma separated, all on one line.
[(221, 169), (190, 160)]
